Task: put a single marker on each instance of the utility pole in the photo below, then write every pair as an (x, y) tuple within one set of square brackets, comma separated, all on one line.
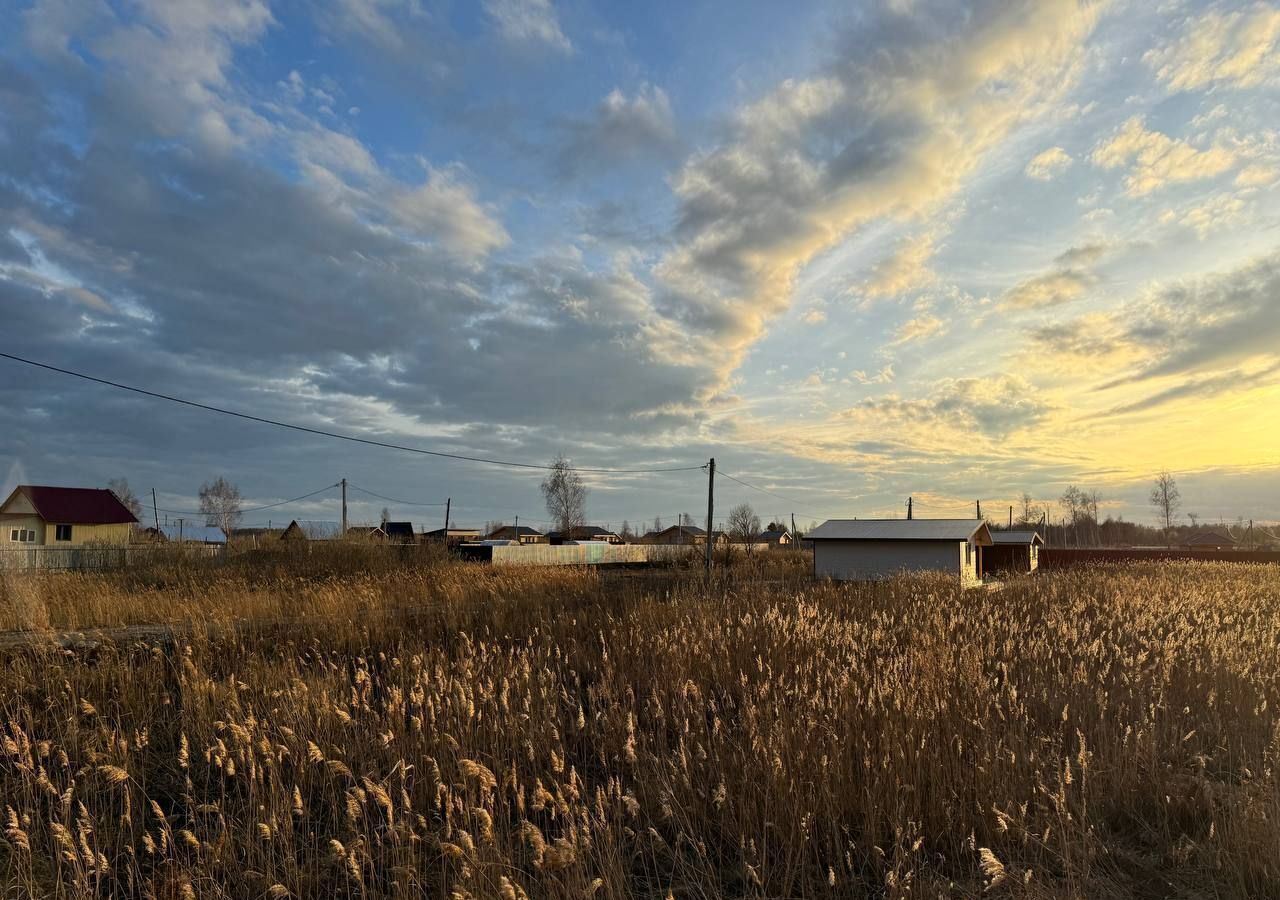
[(516, 529), (711, 506), (979, 503), (795, 538), (448, 502), (154, 511), (909, 507), (1010, 518), (180, 521), (344, 507)]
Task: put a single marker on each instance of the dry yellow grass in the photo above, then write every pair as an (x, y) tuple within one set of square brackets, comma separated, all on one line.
[(451, 731)]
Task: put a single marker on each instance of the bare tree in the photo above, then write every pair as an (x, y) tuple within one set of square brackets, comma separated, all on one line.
[(120, 487), (566, 496), (1195, 519), (220, 504), (657, 523), (493, 525), (1029, 513), (1166, 498), (743, 524), (626, 533), (386, 516)]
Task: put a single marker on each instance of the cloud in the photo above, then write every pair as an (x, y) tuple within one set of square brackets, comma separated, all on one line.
[(1233, 381), (528, 22), (890, 130), (1155, 159), (1209, 216), (918, 329), (884, 376), (1207, 323), (1070, 280), (1236, 49), (1257, 175), (813, 316), (1091, 336), (622, 128), (996, 407), (1048, 164), (904, 270)]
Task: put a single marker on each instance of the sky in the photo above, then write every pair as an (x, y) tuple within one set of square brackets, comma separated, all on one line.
[(855, 252)]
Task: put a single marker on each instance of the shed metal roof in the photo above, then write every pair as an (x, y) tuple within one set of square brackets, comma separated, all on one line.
[(1016, 537), (899, 530)]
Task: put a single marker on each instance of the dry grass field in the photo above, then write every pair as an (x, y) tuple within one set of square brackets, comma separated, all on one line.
[(362, 727)]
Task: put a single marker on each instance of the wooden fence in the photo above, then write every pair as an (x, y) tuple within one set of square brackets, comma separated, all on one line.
[(1065, 558), (62, 559)]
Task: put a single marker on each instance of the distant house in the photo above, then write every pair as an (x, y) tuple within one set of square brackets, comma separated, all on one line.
[(365, 533), (294, 532), (1013, 551), (400, 532), (775, 537), (524, 534), (42, 516), (585, 533), (1210, 540), (683, 534), (451, 537), (871, 549)]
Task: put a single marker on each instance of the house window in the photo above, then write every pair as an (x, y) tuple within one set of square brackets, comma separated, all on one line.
[(63, 533), (22, 536)]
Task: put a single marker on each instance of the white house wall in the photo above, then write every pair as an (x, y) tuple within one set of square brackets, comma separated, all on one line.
[(871, 560)]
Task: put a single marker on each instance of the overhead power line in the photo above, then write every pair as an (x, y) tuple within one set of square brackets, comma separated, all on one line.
[(248, 509), (390, 499), (753, 487), (334, 434)]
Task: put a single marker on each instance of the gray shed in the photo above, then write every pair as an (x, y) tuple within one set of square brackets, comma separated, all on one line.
[(871, 549)]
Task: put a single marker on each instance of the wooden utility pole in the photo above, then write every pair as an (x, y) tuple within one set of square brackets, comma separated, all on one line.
[(154, 511), (344, 507), (795, 538), (1011, 518), (909, 507), (180, 521), (516, 530), (448, 502), (711, 506), (979, 505)]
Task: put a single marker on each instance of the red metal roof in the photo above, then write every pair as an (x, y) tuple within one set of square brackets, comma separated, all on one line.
[(77, 506)]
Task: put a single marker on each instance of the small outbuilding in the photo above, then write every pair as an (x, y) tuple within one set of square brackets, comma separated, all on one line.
[(872, 549), (1013, 551), (1210, 540)]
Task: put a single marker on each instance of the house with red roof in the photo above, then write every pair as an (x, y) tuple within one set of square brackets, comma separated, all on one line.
[(42, 516)]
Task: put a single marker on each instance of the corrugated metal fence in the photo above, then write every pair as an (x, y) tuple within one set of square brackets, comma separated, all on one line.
[(58, 559), (1066, 557)]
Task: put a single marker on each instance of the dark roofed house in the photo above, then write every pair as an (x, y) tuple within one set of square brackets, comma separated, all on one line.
[(40, 515), (366, 533), (682, 534), (775, 537), (452, 537), (1210, 539), (585, 533), (523, 533), (401, 532)]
